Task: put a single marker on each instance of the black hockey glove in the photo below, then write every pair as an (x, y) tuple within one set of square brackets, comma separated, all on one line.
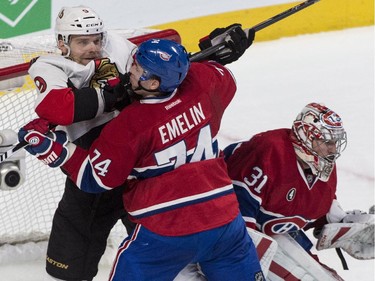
[(235, 39), (116, 95)]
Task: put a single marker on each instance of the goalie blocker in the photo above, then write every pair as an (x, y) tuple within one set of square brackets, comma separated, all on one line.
[(355, 235)]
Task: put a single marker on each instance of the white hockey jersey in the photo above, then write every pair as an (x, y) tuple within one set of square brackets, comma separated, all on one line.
[(55, 77)]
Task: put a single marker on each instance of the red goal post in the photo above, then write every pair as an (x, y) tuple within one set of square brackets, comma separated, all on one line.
[(26, 212)]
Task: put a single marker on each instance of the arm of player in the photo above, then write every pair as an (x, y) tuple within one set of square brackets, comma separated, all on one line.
[(68, 105), (52, 150), (249, 203), (101, 168), (245, 182), (60, 102)]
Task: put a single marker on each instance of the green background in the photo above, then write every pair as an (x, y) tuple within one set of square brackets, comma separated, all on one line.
[(37, 18)]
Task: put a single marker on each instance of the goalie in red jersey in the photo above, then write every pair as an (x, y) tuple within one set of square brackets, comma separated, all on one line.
[(285, 181)]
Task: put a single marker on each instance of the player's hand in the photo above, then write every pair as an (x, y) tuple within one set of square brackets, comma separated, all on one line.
[(235, 39), (115, 93), (51, 150)]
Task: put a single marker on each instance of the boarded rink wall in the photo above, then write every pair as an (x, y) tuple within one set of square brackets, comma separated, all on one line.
[(325, 15)]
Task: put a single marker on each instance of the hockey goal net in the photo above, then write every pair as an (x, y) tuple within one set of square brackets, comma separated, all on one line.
[(26, 212)]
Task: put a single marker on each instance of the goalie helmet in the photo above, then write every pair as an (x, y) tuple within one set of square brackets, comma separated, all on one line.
[(165, 59), (317, 122), (78, 20)]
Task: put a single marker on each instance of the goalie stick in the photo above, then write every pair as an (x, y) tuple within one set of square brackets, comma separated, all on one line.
[(209, 51)]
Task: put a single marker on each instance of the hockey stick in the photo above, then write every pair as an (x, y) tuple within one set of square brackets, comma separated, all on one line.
[(13, 150), (209, 51)]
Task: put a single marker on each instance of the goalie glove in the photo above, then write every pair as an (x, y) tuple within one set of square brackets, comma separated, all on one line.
[(236, 43), (357, 239), (358, 216), (52, 150)]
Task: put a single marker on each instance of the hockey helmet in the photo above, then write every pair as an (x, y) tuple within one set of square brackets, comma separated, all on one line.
[(317, 122), (164, 59), (78, 20)]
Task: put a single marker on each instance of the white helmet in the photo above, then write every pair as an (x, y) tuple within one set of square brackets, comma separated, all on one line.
[(78, 20), (316, 121)]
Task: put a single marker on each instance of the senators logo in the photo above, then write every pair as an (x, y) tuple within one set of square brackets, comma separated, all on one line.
[(104, 70)]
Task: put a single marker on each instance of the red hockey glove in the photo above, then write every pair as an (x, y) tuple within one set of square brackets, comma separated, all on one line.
[(51, 149), (235, 39)]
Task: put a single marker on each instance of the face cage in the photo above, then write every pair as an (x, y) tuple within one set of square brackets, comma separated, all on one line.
[(340, 143), (323, 166)]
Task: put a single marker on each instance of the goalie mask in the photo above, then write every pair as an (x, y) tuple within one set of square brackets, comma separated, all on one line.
[(320, 139), (78, 20)]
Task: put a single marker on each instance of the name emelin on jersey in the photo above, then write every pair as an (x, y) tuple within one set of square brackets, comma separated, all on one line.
[(182, 123)]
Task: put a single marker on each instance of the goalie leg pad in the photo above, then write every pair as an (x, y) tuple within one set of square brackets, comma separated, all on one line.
[(266, 248), (292, 262)]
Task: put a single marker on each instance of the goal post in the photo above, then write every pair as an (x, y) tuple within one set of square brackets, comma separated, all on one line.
[(26, 212)]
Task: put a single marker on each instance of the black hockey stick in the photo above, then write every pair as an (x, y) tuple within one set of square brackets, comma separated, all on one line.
[(205, 53)]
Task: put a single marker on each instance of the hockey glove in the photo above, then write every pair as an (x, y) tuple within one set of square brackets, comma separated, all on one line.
[(51, 150), (236, 43), (115, 93), (357, 239), (358, 216)]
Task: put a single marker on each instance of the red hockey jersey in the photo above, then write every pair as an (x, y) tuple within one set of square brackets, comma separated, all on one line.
[(167, 148), (273, 191)]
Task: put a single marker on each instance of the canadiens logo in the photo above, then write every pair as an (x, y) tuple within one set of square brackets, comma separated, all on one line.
[(331, 119), (34, 140), (165, 56), (291, 194), (40, 83)]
